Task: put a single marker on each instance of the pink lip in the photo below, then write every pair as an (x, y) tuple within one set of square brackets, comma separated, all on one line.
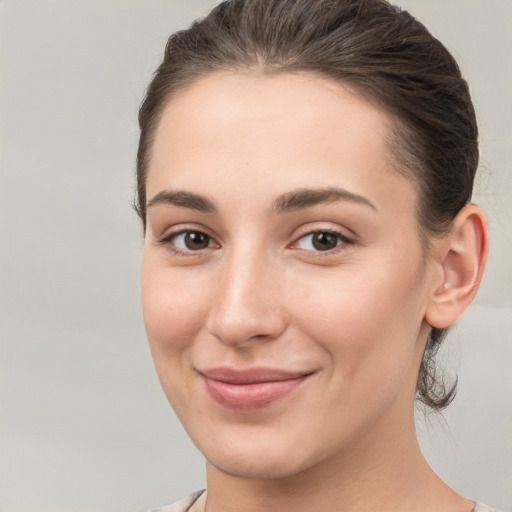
[(250, 389)]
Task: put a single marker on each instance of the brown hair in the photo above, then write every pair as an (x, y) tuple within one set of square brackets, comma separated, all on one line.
[(380, 52)]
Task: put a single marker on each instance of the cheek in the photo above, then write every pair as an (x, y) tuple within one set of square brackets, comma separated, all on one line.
[(173, 309), (367, 325)]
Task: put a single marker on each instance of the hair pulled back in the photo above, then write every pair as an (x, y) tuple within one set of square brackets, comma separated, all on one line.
[(377, 50)]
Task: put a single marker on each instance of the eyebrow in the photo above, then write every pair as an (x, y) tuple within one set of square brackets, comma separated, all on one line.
[(295, 200), (306, 198), (183, 199)]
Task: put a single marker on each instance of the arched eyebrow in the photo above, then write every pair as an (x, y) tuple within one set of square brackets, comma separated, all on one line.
[(306, 198), (294, 200), (183, 199)]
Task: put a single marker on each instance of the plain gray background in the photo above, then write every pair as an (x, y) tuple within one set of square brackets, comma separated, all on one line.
[(84, 424)]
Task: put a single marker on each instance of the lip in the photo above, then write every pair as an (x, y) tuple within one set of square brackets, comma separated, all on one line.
[(250, 389)]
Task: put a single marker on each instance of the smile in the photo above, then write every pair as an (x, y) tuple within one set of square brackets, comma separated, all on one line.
[(250, 390)]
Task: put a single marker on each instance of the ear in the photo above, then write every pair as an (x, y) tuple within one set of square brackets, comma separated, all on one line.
[(460, 261)]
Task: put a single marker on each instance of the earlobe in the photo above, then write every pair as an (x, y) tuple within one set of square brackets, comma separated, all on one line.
[(461, 260)]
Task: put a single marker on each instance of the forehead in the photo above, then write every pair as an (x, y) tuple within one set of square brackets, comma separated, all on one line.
[(275, 132)]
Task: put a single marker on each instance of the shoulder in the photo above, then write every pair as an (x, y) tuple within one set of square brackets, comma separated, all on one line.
[(480, 507), (182, 505)]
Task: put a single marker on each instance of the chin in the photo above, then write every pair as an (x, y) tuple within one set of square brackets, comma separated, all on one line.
[(261, 459), (260, 467)]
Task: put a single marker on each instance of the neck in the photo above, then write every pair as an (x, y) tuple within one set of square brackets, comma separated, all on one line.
[(390, 474)]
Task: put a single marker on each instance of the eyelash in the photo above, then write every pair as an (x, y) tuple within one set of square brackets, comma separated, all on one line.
[(167, 239), (342, 241)]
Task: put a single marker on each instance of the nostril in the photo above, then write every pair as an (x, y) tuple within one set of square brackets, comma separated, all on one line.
[(256, 324), (243, 306)]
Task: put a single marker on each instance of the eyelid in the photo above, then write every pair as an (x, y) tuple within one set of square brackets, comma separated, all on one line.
[(334, 226), (166, 238), (307, 230), (346, 241)]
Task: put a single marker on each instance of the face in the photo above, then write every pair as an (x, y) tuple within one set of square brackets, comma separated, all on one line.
[(284, 284)]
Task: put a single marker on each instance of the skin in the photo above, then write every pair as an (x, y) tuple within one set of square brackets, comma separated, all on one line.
[(259, 293)]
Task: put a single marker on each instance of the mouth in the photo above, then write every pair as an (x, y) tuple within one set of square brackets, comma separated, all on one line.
[(250, 389)]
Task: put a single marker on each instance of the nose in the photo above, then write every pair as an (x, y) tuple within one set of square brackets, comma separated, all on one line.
[(246, 304)]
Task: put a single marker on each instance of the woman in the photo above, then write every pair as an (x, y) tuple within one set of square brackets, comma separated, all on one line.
[(304, 175)]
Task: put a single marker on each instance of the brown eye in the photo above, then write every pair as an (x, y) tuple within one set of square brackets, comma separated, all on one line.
[(195, 240), (188, 241), (322, 241)]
